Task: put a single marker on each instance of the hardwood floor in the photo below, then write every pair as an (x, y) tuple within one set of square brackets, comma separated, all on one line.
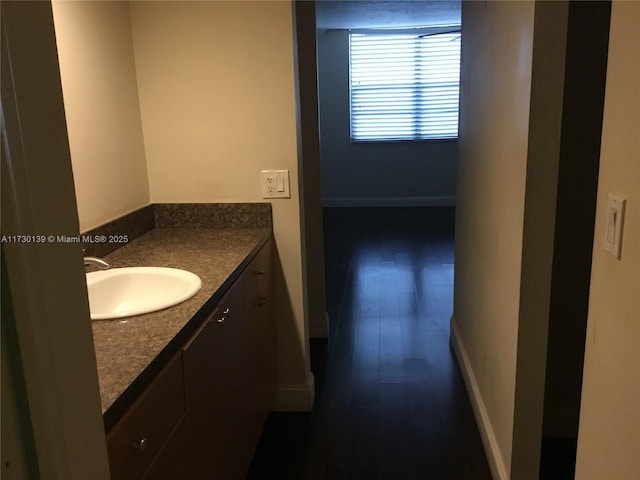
[(390, 400)]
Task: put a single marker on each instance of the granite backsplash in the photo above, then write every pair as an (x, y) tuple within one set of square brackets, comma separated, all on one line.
[(117, 233)]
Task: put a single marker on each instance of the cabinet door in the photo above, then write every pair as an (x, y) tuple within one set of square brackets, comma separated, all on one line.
[(267, 329), (133, 443), (174, 460), (215, 393), (260, 338)]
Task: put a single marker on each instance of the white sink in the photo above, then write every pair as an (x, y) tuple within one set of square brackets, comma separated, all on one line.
[(124, 292)]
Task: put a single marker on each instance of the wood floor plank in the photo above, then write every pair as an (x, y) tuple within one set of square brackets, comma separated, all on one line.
[(365, 374), (390, 400), (391, 350)]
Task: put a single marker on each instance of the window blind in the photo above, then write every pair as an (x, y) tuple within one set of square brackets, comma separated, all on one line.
[(404, 86)]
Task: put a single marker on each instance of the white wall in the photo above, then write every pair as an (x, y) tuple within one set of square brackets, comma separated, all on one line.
[(609, 433), (505, 237), (101, 104), (497, 44), (217, 96), (186, 102), (364, 174), (45, 311)]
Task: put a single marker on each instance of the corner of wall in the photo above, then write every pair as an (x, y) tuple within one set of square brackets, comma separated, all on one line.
[(295, 397), (390, 201), (319, 327), (491, 448)]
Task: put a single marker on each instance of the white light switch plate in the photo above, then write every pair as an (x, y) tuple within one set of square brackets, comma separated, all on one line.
[(275, 183), (615, 222)]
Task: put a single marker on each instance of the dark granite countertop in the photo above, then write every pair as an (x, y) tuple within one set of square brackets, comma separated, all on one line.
[(131, 351)]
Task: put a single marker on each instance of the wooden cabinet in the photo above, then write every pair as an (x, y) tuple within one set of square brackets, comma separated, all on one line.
[(229, 371), (261, 338), (202, 417), (175, 459), (135, 441), (214, 384)]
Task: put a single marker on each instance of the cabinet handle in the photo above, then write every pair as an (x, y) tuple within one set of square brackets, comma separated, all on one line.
[(140, 445), (225, 315), (261, 273), (262, 301)]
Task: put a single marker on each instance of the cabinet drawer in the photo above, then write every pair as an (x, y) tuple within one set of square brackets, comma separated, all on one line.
[(135, 440)]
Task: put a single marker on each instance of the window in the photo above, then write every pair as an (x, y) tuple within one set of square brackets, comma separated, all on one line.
[(405, 84)]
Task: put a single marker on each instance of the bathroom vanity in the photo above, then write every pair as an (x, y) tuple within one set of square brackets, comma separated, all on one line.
[(186, 390)]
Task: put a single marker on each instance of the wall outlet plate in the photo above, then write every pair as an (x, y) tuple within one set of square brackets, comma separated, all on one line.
[(614, 225), (275, 184)]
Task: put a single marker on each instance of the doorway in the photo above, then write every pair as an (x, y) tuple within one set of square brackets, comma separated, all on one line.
[(583, 108), (587, 36)]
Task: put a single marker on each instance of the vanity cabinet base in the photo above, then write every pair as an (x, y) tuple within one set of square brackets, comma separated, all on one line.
[(229, 370), (202, 416)]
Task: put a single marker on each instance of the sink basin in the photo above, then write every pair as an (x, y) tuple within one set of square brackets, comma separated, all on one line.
[(124, 292)]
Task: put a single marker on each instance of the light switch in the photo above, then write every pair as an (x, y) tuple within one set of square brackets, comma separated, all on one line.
[(615, 221), (275, 183), (611, 226)]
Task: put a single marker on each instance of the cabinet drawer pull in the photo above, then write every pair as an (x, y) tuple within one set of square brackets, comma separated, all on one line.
[(140, 445), (261, 302), (225, 316), (260, 273)]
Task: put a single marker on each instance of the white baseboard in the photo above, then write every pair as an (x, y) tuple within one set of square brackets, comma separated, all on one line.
[(494, 456), (295, 398), (319, 327), (431, 201)]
